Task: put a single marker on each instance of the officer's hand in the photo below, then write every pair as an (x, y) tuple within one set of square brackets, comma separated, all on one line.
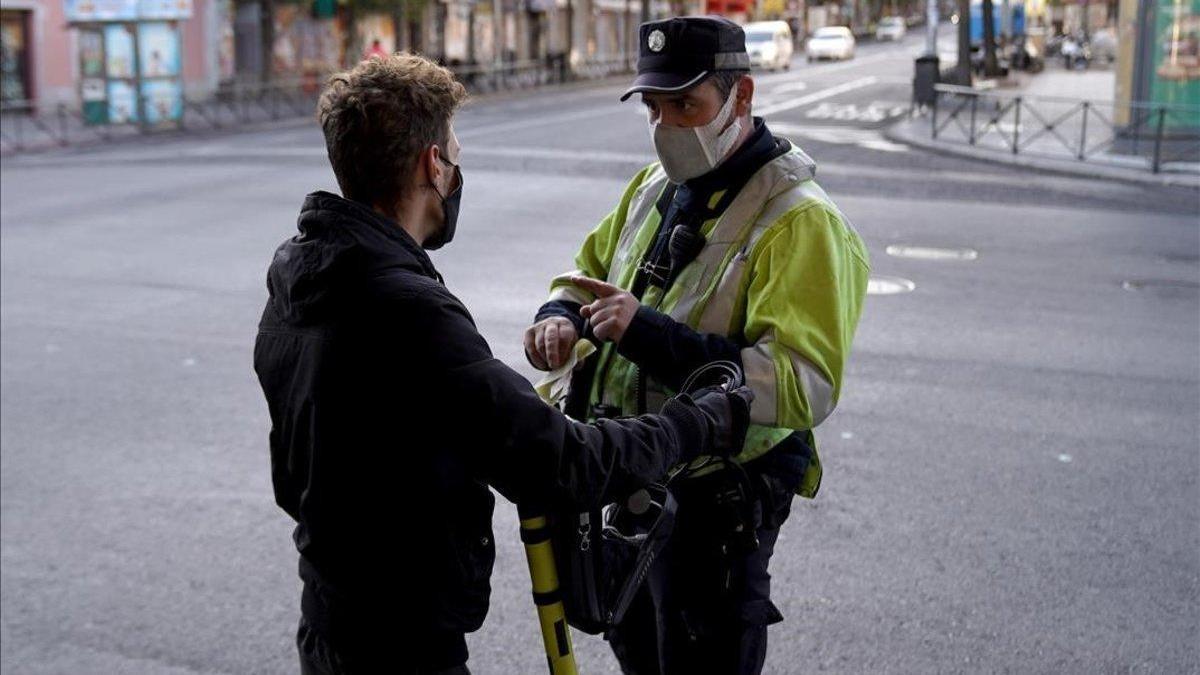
[(549, 342), (612, 310), (729, 417)]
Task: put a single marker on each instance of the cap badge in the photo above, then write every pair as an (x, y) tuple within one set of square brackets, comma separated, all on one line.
[(656, 41)]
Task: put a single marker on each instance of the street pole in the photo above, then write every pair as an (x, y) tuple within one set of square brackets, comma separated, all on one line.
[(629, 37), (1005, 22), (497, 37), (990, 67), (964, 42), (931, 26)]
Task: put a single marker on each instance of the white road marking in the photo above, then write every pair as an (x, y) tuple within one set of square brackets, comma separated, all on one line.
[(889, 286), (839, 135), (536, 121), (818, 95), (930, 253), (883, 145), (550, 153), (788, 88)]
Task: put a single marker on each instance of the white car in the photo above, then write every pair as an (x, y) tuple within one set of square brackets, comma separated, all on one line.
[(831, 42), (769, 44), (890, 28)]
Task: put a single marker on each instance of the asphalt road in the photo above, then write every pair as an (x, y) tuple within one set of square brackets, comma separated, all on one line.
[(1011, 476)]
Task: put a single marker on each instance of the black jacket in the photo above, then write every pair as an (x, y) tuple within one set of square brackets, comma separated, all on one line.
[(390, 417)]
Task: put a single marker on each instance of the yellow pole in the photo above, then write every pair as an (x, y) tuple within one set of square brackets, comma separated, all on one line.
[(556, 636)]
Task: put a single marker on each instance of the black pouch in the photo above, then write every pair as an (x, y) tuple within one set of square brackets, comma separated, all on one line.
[(603, 556)]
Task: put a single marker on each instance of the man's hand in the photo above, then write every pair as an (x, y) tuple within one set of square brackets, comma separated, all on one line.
[(612, 310), (549, 342), (728, 416)]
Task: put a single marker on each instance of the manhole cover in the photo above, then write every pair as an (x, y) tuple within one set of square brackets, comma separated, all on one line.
[(889, 286), (1161, 285), (930, 253)]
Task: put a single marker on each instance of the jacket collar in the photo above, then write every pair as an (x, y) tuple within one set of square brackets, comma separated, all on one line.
[(386, 233)]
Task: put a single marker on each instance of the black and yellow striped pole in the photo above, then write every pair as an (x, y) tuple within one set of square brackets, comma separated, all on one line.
[(556, 636)]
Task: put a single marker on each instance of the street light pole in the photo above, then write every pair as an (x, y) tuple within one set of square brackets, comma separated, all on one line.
[(931, 26), (497, 37), (964, 42)]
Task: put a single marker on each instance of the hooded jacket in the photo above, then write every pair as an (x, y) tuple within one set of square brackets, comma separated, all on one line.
[(390, 419)]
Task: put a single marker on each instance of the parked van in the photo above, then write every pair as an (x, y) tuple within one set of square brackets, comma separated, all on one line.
[(769, 44), (831, 42)]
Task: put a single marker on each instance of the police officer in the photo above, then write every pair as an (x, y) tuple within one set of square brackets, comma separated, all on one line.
[(390, 417), (725, 249)]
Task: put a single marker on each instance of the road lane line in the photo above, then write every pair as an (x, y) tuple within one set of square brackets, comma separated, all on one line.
[(531, 122), (788, 88), (818, 95)]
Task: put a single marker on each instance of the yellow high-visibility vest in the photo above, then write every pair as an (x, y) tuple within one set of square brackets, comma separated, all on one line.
[(782, 271)]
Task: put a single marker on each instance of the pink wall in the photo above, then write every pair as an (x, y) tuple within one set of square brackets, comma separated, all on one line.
[(58, 57), (197, 40), (55, 56)]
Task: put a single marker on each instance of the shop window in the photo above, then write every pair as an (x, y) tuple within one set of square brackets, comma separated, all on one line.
[(15, 83)]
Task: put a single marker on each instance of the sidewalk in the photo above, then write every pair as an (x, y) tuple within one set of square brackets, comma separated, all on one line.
[(1051, 128), (63, 126)]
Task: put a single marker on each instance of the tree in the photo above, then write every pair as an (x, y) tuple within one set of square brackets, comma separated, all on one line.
[(990, 66)]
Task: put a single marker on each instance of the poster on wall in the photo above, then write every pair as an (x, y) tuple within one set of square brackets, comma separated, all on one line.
[(163, 100), (101, 10), (304, 44), (1176, 78), (158, 49), (164, 9), (118, 44), (91, 53), (122, 102), (126, 10)]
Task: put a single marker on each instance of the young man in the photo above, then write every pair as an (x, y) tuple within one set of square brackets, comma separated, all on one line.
[(726, 249), (389, 415)]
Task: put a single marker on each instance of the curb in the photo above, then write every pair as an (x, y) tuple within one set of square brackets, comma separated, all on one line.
[(904, 132)]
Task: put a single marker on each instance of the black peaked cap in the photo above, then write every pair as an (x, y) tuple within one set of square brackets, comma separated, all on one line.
[(677, 54)]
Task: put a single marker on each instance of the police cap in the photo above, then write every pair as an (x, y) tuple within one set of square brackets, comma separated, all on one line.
[(677, 54)]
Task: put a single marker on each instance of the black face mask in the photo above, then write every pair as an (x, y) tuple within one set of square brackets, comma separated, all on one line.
[(449, 212)]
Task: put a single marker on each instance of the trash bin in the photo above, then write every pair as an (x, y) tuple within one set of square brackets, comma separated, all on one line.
[(926, 75)]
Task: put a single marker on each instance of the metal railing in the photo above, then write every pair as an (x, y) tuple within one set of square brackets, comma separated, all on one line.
[(1147, 135), (27, 125)]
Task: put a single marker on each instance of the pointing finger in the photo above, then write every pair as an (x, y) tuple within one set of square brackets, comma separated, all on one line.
[(600, 289)]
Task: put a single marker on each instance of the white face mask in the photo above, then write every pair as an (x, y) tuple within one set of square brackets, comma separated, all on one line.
[(688, 152)]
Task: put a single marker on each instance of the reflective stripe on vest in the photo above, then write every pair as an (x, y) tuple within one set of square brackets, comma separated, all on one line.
[(707, 292)]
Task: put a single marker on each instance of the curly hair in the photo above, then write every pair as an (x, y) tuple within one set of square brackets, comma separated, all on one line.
[(379, 116)]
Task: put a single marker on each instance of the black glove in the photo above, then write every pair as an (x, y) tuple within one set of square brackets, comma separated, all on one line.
[(728, 416)]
